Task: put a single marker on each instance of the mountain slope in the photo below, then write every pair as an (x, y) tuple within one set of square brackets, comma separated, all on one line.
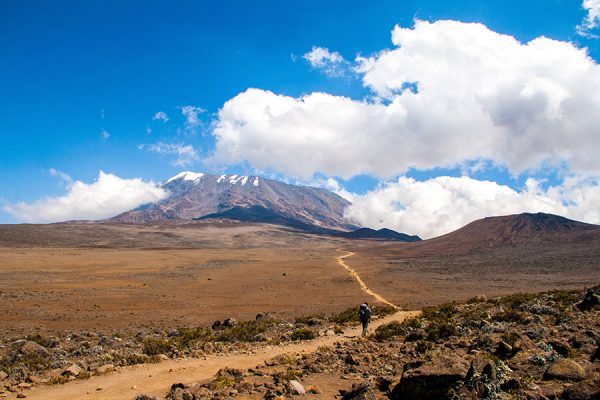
[(508, 231), (195, 195), (264, 215)]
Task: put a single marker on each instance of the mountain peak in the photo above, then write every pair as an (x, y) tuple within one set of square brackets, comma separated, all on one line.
[(195, 195)]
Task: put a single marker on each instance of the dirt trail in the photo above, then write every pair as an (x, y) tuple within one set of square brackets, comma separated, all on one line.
[(362, 284), (156, 379)]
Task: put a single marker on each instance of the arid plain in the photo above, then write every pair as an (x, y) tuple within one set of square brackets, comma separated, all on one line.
[(81, 276)]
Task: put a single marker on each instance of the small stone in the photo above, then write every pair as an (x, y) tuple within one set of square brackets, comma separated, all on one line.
[(312, 389), (296, 388), (3, 375)]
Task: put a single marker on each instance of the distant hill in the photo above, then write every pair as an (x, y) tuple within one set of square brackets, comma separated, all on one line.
[(197, 195), (508, 231), (381, 234)]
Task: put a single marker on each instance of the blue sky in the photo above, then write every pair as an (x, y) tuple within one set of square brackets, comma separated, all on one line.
[(80, 83)]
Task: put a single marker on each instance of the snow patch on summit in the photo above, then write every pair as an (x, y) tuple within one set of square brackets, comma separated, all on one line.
[(186, 176)]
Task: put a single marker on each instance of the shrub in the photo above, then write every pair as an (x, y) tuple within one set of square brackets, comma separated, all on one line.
[(440, 330), (245, 331), (509, 315), (186, 336), (346, 316), (304, 319), (154, 346), (224, 381), (515, 300), (303, 334), (441, 312), (388, 331)]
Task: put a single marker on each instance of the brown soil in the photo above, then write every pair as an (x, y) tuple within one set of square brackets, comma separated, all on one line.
[(235, 271), (103, 277)]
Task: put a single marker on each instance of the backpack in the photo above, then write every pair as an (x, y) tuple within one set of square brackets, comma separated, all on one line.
[(364, 312)]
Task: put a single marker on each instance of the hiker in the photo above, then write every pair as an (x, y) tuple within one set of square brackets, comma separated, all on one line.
[(364, 314)]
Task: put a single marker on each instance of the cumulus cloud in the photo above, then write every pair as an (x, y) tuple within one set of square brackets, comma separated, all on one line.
[(161, 116), (185, 154), (333, 186), (591, 20), (443, 204), (332, 63), (474, 94), (108, 196)]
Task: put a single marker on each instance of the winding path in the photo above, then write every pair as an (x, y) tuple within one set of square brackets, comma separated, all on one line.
[(362, 284), (156, 379)]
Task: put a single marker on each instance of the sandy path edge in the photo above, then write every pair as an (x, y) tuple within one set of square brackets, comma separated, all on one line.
[(156, 379)]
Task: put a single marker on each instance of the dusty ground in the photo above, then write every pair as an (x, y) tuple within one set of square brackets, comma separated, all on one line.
[(416, 279), (233, 272), (89, 276)]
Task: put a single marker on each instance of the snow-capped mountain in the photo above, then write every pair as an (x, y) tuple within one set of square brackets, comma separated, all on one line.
[(195, 195)]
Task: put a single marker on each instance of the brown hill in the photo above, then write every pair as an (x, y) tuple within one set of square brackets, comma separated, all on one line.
[(510, 231)]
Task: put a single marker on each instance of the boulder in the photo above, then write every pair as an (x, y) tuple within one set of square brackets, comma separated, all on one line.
[(432, 380), (566, 370), (73, 370), (296, 388), (230, 322), (105, 368), (589, 301), (504, 350), (360, 391), (3, 376), (216, 325), (32, 348)]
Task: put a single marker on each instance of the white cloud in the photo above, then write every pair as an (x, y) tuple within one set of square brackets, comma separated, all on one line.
[(62, 175), (591, 20), (479, 95), (443, 204), (108, 196), (333, 186), (105, 134), (332, 63), (161, 116), (191, 115), (186, 154)]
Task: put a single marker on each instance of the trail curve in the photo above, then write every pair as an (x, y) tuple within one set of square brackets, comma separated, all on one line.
[(362, 283)]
